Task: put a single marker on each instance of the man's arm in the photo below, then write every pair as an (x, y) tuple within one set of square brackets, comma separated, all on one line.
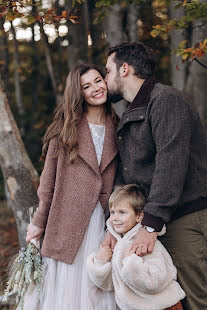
[(119, 178), (171, 125)]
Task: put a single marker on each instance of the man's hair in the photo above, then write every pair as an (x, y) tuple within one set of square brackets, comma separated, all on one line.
[(132, 193), (137, 55)]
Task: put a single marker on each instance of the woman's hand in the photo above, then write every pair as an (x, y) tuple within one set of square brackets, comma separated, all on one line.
[(33, 232), (109, 240), (104, 254)]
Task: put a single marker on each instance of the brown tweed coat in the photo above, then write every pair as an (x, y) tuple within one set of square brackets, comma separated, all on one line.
[(68, 193)]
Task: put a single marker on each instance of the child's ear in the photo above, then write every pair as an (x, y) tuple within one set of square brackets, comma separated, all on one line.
[(140, 216)]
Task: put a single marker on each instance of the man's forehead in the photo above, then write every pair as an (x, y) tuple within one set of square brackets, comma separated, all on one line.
[(110, 60)]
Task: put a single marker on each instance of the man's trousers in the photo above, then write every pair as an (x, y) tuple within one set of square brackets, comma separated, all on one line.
[(186, 241)]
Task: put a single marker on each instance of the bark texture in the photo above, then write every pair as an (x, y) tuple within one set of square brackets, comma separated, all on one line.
[(18, 89), (178, 69), (78, 37), (19, 174), (196, 85), (50, 66)]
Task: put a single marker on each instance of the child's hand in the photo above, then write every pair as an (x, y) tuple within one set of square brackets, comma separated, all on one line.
[(33, 232), (130, 251), (104, 254)]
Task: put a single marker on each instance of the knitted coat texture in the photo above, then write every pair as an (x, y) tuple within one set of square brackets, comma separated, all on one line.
[(69, 192), (140, 283)]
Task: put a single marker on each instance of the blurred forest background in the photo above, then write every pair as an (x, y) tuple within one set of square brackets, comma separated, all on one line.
[(41, 40)]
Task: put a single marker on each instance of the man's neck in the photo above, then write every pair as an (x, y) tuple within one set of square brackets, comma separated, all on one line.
[(132, 87)]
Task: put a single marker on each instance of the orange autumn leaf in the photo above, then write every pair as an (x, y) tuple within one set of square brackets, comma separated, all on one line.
[(64, 14)]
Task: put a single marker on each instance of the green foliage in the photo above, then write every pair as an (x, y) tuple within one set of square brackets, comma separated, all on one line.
[(194, 10)]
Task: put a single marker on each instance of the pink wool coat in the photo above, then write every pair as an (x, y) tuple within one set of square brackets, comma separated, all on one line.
[(68, 193)]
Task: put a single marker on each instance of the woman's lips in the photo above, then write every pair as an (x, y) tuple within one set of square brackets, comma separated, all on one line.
[(98, 96)]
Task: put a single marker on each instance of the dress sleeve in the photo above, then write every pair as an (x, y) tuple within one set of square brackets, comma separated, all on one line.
[(100, 273), (46, 187)]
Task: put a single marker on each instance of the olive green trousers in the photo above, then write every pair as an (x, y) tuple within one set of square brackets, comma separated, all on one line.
[(186, 241)]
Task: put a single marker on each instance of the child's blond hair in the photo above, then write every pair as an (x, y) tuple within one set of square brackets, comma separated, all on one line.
[(132, 193)]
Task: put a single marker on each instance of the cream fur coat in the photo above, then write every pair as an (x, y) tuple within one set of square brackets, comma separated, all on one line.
[(140, 283)]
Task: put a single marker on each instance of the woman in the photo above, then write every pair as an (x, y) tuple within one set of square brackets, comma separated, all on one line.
[(75, 185)]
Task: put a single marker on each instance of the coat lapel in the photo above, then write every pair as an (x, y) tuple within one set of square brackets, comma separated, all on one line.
[(86, 149), (110, 148)]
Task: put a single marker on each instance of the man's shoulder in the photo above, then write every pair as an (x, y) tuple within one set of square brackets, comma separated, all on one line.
[(165, 94), (162, 90)]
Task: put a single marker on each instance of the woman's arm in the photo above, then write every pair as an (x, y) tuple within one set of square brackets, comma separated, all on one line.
[(46, 187)]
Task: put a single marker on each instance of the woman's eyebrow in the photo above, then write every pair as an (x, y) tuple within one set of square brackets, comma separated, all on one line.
[(98, 77)]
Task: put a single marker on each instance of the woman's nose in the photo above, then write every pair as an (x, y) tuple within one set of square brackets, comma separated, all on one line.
[(96, 87)]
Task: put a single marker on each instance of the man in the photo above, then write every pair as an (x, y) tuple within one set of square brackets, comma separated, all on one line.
[(163, 148)]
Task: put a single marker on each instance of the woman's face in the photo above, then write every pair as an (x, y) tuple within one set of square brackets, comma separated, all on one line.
[(93, 88)]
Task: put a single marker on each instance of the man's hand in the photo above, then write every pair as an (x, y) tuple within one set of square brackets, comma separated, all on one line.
[(109, 240), (130, 251), (144, 242), (104, 254)]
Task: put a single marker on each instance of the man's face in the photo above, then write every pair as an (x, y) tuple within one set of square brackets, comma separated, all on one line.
[(113, 80)]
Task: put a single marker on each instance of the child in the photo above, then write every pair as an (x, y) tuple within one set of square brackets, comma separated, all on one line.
[(140, 283)]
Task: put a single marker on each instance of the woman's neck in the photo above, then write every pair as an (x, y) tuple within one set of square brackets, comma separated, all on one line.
[(96, 115)]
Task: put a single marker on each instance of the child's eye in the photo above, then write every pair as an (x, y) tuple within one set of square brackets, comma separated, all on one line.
[(122, 212), (112, 212), (97, 81), (85, 87)]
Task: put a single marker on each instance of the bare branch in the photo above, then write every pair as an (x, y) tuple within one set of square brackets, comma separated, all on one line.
[(200, 63)]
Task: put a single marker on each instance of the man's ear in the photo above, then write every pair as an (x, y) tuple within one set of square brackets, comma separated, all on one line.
[(140, 216), (124, 69)]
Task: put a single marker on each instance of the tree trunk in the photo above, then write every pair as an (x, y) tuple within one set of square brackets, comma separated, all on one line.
[(35, 72), (196, 83), (132, 17), (113, 23), (178, 69), (4, 57), (18, 90), (77, 37), (50, 65), (18, 172), (98, 43)]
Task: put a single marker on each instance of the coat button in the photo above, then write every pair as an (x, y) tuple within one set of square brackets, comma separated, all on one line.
[(120, 138), (127, 119), (141, 117), (125, 168)]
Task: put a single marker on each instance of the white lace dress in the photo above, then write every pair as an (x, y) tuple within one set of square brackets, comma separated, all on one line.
[(68, 287)]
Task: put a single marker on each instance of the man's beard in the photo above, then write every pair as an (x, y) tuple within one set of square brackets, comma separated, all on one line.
[(115, 95)]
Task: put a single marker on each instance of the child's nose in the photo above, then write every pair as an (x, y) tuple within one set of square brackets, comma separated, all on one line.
[(114, 216)]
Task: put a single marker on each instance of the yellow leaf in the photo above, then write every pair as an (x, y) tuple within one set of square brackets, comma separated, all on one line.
[(184, 56)]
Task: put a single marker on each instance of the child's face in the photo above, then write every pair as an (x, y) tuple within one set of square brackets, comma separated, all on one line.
[(123, 218)]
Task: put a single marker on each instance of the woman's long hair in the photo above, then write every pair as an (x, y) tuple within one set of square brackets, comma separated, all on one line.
[(69, 113)]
